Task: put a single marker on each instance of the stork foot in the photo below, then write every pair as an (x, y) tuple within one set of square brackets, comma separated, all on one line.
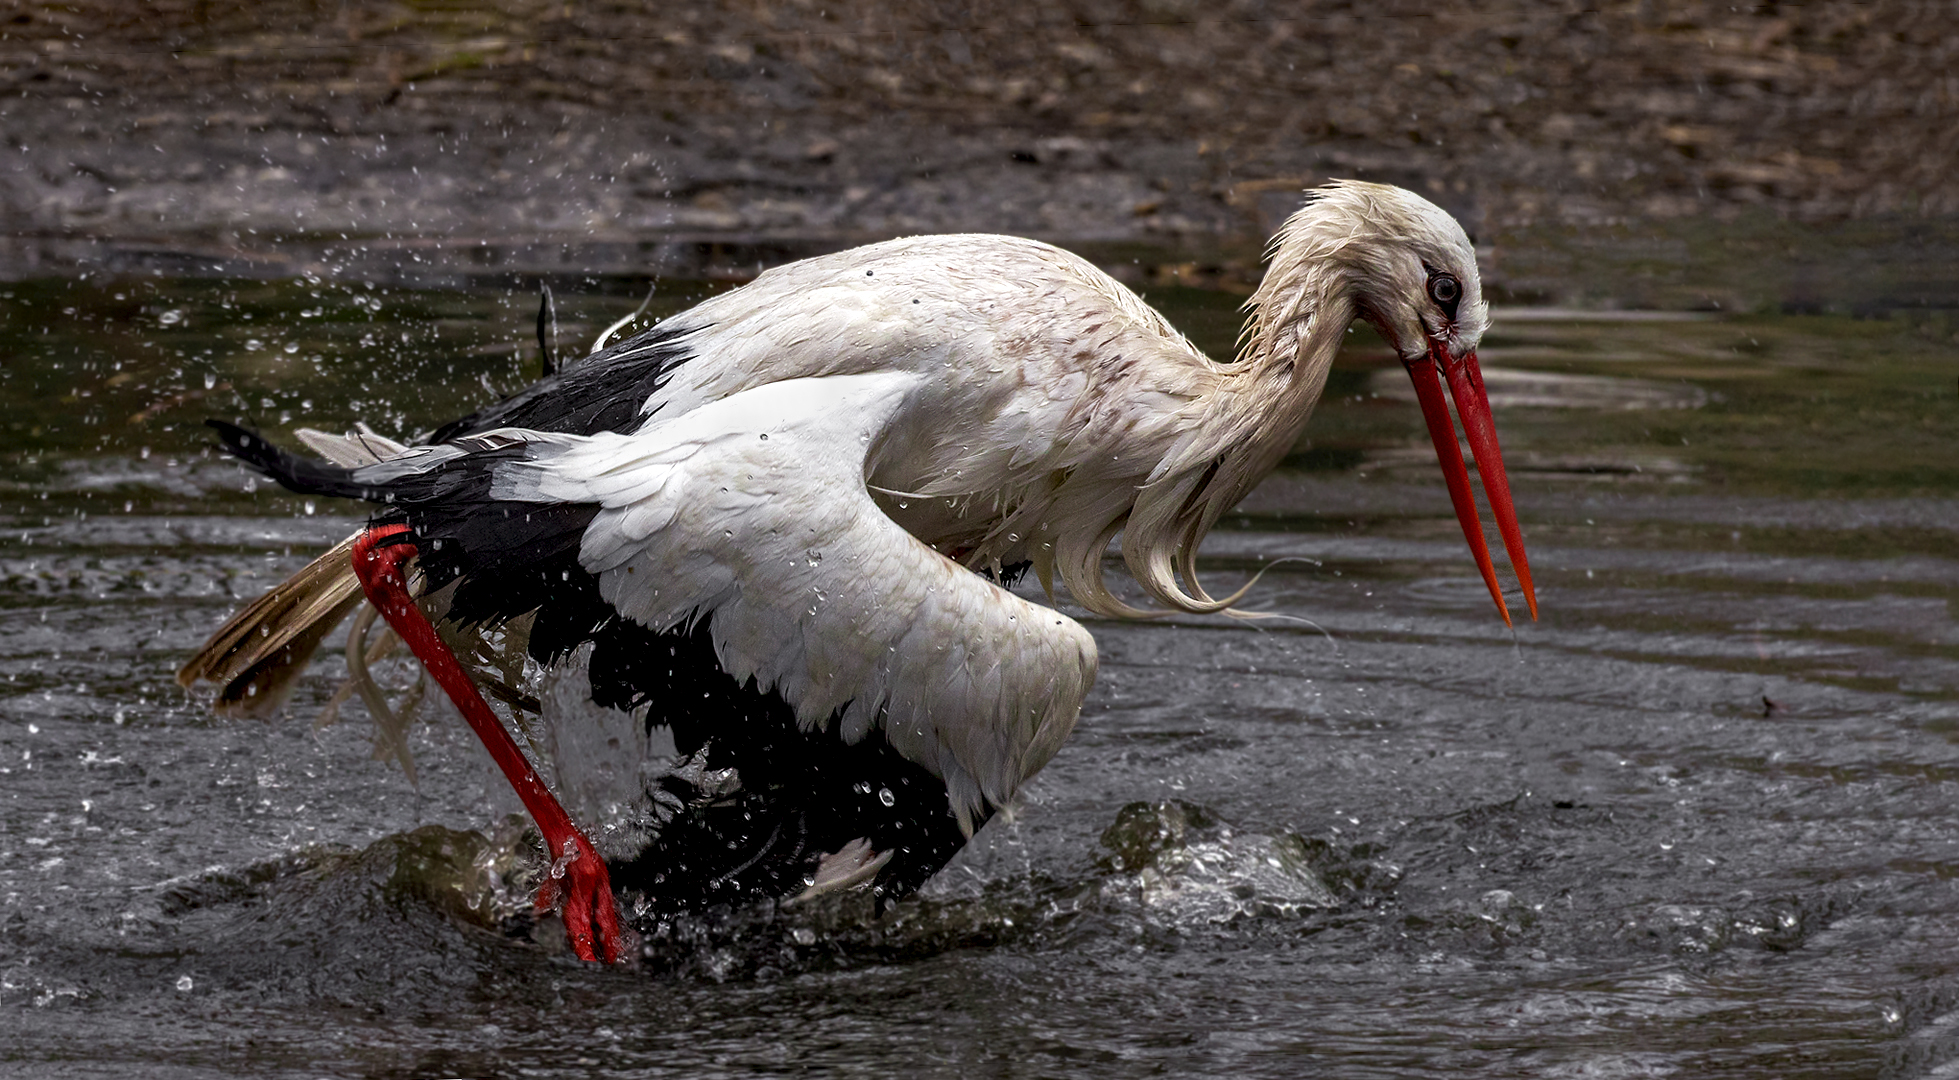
[(578, 887)]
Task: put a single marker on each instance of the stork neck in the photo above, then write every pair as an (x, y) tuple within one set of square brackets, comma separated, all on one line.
[(1300, 314)]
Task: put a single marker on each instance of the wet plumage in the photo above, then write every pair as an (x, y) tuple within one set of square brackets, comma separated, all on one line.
[(779, 520)]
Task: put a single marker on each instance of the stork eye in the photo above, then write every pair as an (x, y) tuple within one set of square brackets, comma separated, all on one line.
[(1446, 291)]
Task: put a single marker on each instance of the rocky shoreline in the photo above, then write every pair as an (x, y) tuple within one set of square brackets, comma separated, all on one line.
[(701, 140)]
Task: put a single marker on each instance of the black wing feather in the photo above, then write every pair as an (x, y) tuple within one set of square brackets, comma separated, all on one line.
[(601, 392)]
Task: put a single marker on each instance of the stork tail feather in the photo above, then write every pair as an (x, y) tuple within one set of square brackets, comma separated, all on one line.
[(257, 655), (302, 474)]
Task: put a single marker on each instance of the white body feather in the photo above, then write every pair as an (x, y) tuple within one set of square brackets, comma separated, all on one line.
[(847, 428), (941, 404), (754, 508)]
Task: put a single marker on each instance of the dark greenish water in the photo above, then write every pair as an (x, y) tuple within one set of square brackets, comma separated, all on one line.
[(1699, 821)]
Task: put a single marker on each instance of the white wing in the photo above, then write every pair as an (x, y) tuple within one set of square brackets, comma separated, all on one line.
[(754, 508)]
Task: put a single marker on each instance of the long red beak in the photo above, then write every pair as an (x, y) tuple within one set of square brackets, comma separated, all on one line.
[(1473, 406)]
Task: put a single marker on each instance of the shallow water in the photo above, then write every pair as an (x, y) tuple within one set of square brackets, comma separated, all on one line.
[(1697, 821)]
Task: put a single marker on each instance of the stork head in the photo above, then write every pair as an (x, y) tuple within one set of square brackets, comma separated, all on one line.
[(1407, 268)]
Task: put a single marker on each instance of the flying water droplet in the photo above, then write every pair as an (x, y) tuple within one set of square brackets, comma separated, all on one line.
[(569, 856)]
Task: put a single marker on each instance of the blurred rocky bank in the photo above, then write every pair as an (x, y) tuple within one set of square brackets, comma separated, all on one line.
[(1588, 147)]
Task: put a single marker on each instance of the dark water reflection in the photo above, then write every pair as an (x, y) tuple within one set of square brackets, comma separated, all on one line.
[(1699, 821)]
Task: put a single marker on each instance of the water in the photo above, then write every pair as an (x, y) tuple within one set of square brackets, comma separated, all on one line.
[(1698, 821)]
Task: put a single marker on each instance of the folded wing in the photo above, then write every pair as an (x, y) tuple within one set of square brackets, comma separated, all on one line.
[(754, 509)]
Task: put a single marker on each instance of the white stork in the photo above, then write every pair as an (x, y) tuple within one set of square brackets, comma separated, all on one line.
[(782, 519)]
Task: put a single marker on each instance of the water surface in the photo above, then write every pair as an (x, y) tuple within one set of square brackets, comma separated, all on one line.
[(1698, 821)]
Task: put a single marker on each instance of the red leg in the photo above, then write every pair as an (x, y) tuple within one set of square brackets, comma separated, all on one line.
[(578, 874)]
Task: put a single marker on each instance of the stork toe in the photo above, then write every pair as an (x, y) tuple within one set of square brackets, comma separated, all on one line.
[(579, 887)]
